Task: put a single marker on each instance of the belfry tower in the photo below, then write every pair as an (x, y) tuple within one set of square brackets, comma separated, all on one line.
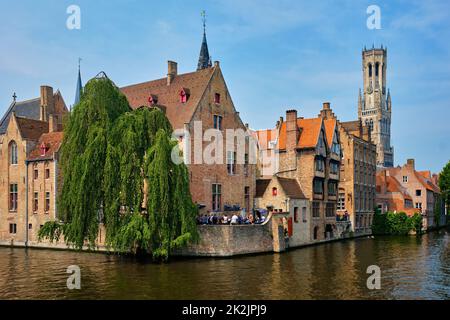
[(374, 104)]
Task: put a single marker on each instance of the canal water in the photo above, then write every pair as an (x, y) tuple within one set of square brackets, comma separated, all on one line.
[(411, 268)]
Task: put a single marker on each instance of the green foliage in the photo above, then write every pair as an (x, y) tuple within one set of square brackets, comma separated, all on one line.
[(392, 223), (51, 230), (444, 184), (116, 163)]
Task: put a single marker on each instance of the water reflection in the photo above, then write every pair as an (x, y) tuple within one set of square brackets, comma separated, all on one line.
[(412, 268)]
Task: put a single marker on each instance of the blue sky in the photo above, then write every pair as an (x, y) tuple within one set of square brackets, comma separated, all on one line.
[(275, 55)]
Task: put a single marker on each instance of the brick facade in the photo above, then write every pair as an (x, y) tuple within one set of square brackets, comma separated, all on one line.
[(403, 189), (18, 224)]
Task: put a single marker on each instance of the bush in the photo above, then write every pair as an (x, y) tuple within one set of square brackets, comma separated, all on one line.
[(392, 223)]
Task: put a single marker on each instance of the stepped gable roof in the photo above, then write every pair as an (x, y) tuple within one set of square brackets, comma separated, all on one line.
[(31, 129), (27, 109), (52, 141), (309, 133), (169, 95)]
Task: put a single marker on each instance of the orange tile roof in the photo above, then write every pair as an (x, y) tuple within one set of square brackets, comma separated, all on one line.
[(169, 95), (422, 176), (31, 129), (330, 127), (392, 185), (309, 134), (425, 174)]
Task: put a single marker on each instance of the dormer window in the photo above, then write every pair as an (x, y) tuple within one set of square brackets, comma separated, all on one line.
[(217, 98), (44, 149), (152, 99), (184, 95)]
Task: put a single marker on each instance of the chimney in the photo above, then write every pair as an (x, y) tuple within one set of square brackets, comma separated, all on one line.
[(291, 129), (52, 123), (411, 163), (47, 102), (172, 71), (326, 106)]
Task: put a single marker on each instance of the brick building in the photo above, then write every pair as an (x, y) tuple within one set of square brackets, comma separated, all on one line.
[(24, 128), (308, 151), (356, 193), (201, 111), (403, 189), (284, 195)]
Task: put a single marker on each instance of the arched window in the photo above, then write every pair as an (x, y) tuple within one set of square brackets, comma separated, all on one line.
[(371, 125), (377, 69), (370, 70), (13, 153), (316, 232)]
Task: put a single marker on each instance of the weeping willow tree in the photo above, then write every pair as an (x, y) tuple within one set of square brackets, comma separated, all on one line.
[(117, 170)]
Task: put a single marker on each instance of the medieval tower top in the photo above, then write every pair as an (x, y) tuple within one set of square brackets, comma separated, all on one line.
[(374, 103)]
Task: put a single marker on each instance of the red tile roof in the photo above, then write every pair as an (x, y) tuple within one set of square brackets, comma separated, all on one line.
[(309, 133), (392, 185), (169, 95), (52, 142)]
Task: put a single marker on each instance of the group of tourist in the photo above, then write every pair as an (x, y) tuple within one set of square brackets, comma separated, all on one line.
[(232, 219)]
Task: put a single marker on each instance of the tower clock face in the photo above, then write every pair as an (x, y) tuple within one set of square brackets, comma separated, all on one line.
[(369, 89)]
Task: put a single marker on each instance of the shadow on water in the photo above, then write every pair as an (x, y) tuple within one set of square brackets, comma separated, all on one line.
[(411, 268)]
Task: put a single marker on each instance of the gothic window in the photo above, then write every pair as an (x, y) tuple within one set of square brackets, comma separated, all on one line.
[(13, 152), (371, 125), (370, 70), (377, 69)]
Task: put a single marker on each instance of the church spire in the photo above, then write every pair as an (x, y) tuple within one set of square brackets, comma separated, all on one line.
[(79, 85), (204, 61)]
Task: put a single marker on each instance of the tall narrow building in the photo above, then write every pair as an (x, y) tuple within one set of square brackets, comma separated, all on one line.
[(374, 104)]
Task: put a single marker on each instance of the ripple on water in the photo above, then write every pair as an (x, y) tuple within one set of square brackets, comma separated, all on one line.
[(412, 268)]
